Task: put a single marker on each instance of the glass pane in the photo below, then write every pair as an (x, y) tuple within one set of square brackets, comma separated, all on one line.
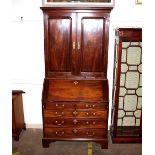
[(130, 91)]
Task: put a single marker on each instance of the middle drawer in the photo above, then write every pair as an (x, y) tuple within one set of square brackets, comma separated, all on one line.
[(75, 113)]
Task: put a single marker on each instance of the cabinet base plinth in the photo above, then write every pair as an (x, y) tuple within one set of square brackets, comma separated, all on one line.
[(125, 139), (103, 142)]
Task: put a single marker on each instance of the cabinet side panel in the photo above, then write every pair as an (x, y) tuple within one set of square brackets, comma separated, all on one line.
[(18, 111), (127, 99)]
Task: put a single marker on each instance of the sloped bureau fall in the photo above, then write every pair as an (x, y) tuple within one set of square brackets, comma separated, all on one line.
[(75, 90)]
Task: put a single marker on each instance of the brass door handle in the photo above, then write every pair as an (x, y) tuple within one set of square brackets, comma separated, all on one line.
[(74, 45), (78, 45)]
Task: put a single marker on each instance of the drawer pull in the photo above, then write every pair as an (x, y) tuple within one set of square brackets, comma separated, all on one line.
[(60, 134), (75, 131), (78, 45), (87, 114), (87, 122), (75, 113), (75, 121), (73, 45), (60, 106), (90, 106), (90, 134), (59, 114), (76, 82), (90, 114), (94, 123), (59, 124)]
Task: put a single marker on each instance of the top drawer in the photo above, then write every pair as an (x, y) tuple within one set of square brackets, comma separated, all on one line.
[(70, 90)]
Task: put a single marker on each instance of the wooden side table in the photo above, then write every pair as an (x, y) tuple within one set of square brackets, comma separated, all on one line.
[(18, 122)]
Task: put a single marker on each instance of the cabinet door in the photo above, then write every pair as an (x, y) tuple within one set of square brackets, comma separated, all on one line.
[(93, 41), (59, 28)]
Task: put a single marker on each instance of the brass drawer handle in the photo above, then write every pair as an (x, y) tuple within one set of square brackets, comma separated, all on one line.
[(88, 114), (93, 123), (87, 106), (59, 114), (76, 82), (59, 106), (90, 106), (90, 134), (59, 124), (87, 122), (75, 131), (75, 113), (60, 134)]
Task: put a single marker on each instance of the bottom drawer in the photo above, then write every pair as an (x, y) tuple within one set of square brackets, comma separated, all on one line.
[(74, 133)]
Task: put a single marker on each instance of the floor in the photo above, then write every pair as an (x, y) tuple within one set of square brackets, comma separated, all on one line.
[(30, 143)]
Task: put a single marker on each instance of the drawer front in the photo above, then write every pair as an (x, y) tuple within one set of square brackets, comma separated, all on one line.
[(76, 105), (74, 133), (81, 123), (75, 113), (69, 90)]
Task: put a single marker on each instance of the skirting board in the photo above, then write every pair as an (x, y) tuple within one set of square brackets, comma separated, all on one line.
[(36, 126)]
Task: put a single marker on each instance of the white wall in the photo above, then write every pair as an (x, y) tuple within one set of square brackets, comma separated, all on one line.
[(28, 50)]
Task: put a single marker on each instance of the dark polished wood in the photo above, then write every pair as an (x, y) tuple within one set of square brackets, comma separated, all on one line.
[(79, 122), (61, 105), (18, 122), (76, 113), (74, 133), (75, 96), (78, 90)]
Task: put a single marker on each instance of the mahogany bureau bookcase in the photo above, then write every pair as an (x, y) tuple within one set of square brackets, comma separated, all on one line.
[(126, 123), (75, 99)]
